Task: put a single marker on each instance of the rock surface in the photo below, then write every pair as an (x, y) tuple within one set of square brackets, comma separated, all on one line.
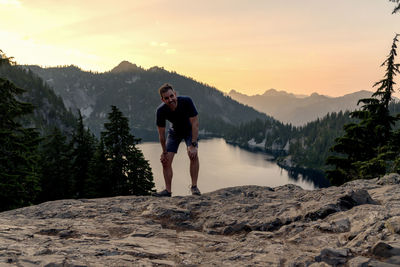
[(356, 224)]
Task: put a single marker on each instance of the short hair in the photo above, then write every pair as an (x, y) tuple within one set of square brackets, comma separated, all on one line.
[(164, 88)]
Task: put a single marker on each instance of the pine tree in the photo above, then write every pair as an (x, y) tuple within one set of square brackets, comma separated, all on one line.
[(394, 153), (361, 151), (19, 183), (99, 182), (130, 173), (4, 60), (83, 148), (55, 167), (139, 174)]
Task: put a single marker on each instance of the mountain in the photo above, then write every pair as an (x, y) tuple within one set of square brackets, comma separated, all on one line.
[(126, 66), (298, 110), (49, 109), (134, 91)]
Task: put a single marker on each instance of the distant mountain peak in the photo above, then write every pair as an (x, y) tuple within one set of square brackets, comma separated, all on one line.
[(273, 93), (362, 93), (234, 92), (125, 66)]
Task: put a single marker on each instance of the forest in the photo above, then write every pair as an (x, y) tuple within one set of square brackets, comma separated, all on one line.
[(64, 163)]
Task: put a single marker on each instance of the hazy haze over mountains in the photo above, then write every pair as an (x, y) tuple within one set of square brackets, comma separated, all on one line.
[(299, 109)]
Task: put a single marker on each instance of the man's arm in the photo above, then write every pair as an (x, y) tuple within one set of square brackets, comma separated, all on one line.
[(161, 137), (195, 128)]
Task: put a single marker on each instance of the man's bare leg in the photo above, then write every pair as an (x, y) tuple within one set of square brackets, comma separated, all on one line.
[(167, 170), (194, 170)]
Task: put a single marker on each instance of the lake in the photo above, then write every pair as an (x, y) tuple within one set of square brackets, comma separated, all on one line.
[(224, 165)]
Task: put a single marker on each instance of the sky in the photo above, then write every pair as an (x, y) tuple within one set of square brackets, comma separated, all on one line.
[(329, 47)]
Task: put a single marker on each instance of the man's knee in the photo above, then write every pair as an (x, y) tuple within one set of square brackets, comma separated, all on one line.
[(169, 158), (194, 159), (167, 164)]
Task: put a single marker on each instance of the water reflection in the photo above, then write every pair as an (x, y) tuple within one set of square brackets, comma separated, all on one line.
[(223, 165), (296, 174), (317, 178)]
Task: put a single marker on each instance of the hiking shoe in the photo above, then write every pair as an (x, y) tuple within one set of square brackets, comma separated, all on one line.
[(163, 193), (195, 190)]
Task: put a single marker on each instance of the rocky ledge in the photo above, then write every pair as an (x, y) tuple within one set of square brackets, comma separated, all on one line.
[(357, 224)]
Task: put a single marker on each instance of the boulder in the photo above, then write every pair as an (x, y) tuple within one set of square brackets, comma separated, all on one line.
[(389, 179), (393, 224), (334, 256), (385, 250)]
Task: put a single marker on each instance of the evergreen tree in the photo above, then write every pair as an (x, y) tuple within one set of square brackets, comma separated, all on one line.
[(19, 181), (139, 174), (4, 60), (55, 167), (130, 173), (361, 151), (83, 148), (309, 144), (393, 153), (99, 182)]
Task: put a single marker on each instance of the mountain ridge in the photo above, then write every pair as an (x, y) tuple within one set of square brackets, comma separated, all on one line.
[(134, 90), (298, 110), (49, 109), (273, 91)]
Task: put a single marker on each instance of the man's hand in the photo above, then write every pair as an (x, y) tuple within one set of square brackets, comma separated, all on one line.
[(192, 152), (164, 158)]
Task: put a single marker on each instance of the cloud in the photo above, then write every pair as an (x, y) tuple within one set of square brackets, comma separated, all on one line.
[(156, 44), (168, 51)]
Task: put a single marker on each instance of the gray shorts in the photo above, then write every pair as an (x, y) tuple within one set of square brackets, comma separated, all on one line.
[(173, 140)]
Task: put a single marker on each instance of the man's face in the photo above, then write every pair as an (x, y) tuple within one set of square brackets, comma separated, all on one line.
[(170, 99)]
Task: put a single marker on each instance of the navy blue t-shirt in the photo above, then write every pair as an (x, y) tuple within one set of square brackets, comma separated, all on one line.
[(179, 117)]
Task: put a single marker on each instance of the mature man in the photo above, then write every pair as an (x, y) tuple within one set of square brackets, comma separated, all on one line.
[(182, 113)]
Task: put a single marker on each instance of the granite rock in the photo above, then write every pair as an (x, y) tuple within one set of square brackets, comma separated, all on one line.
[(388, 179), (352, 225)]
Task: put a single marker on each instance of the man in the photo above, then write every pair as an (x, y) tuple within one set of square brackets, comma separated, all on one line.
[(182, 113)]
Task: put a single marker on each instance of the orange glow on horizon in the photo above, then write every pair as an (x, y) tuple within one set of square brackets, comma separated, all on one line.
[(248, 46)]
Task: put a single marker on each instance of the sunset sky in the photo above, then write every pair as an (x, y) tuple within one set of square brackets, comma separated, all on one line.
[(329, 47)]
